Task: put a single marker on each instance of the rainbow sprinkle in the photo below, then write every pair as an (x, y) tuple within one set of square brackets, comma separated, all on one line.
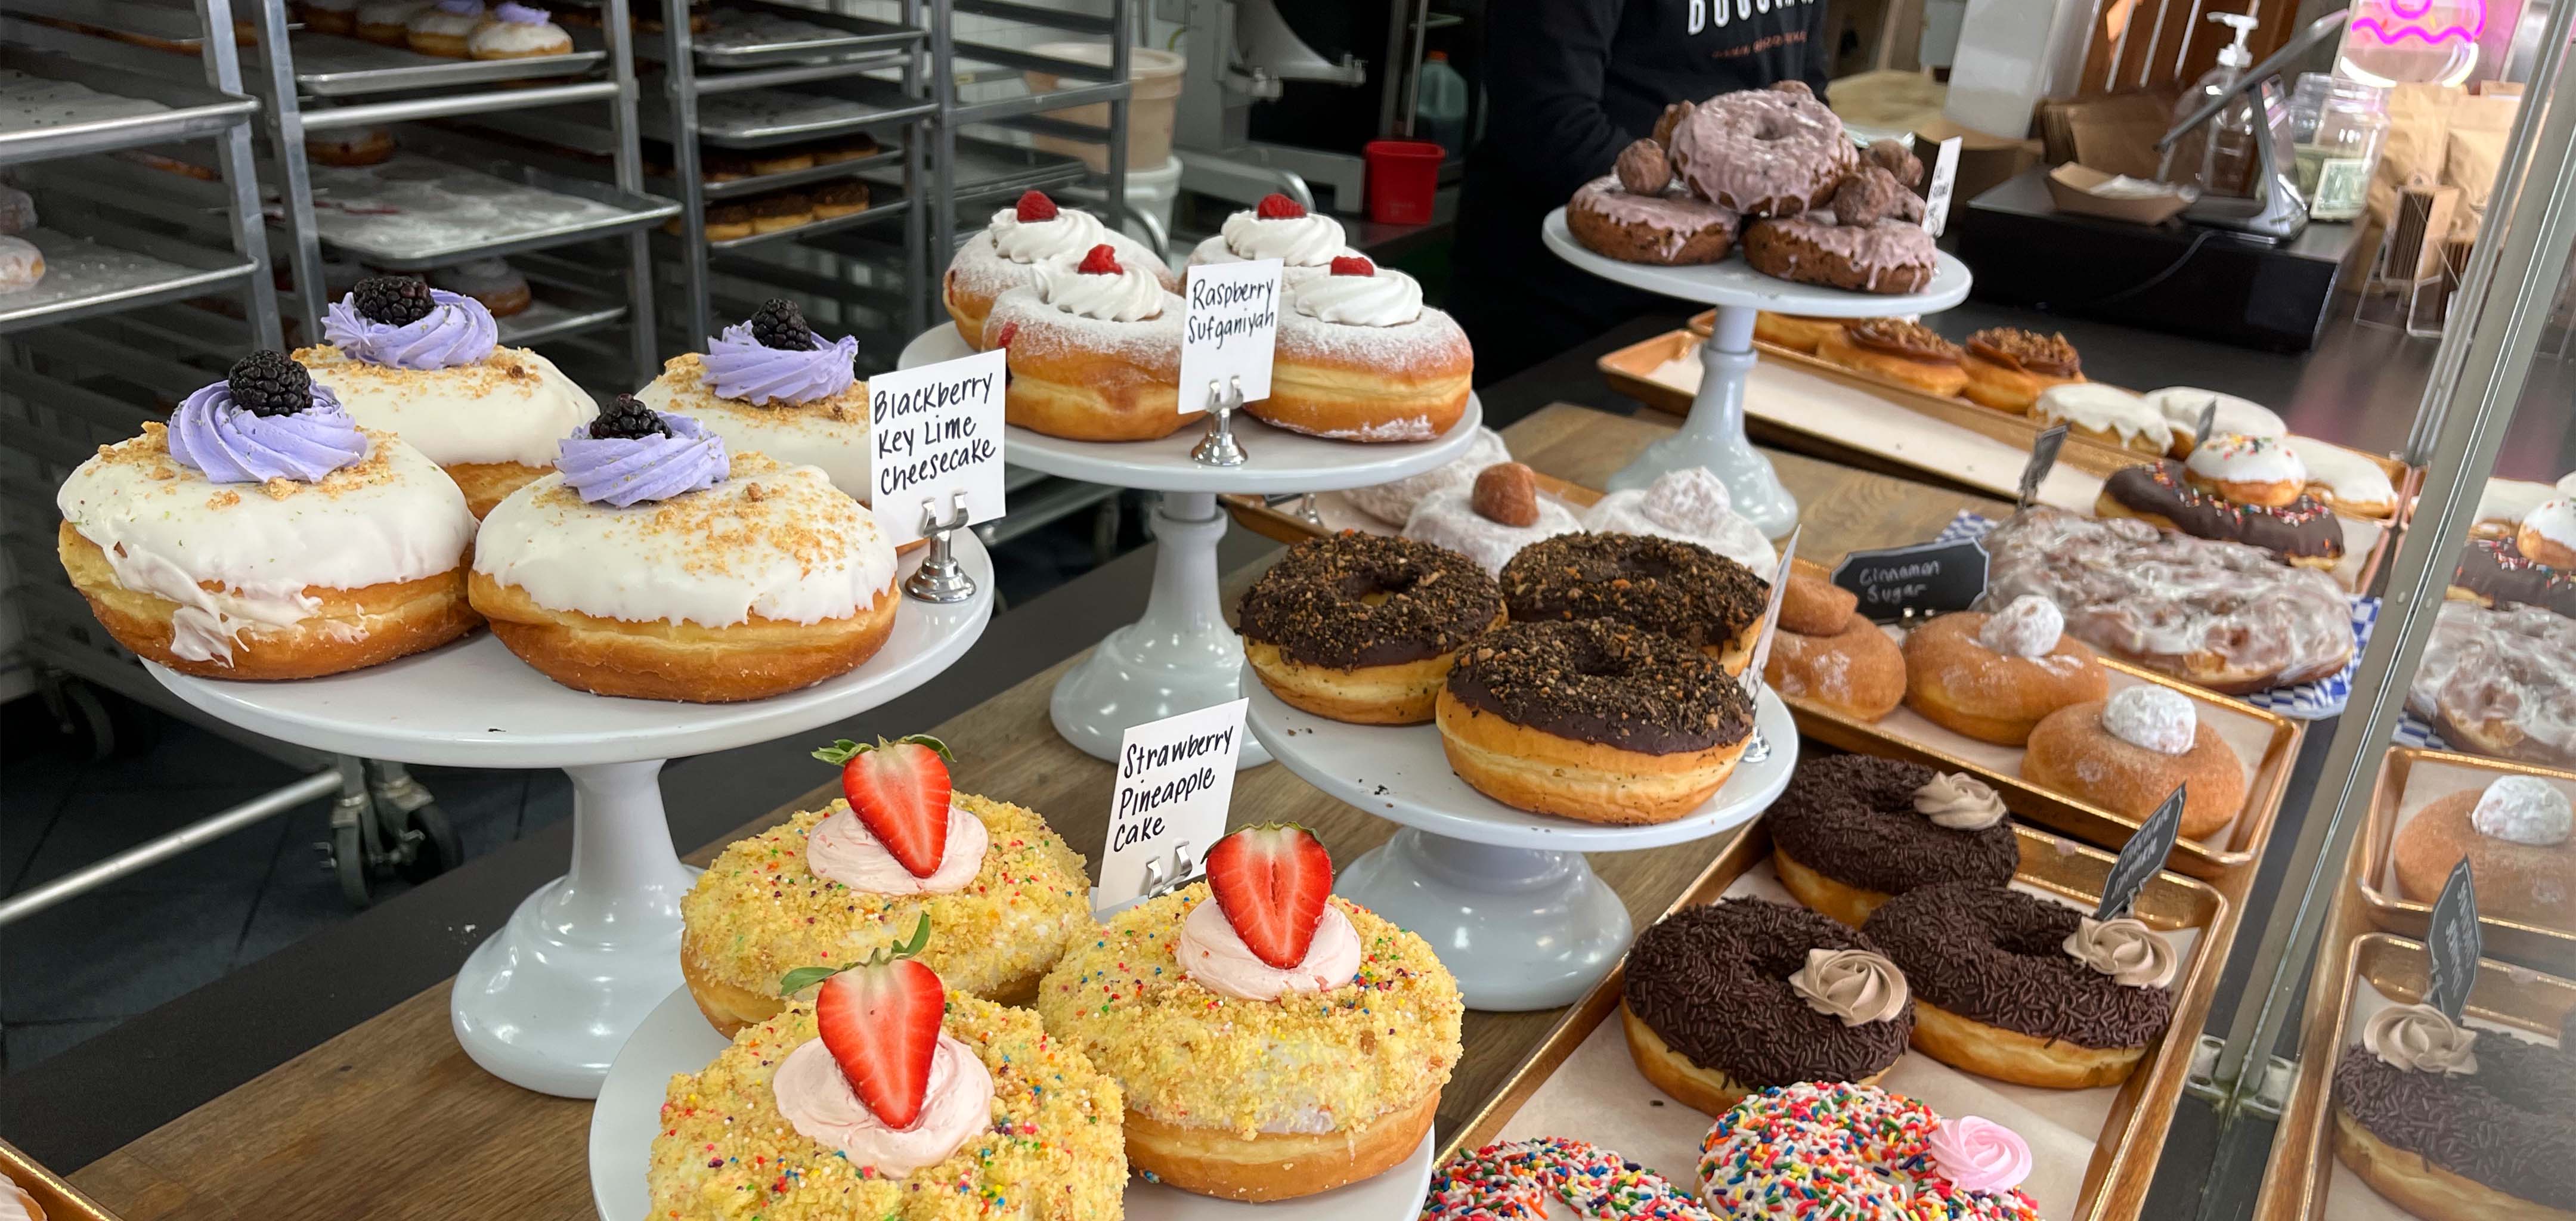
[(1832, 1150), (1510, 1182)]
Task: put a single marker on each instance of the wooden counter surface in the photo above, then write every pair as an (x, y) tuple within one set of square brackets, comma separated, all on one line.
[(391, 1120)]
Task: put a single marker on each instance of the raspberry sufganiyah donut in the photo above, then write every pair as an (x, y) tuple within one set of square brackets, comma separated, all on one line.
[(1006, 254), (1277, 228), (1360, 358), (1095, 351), (1818, 1150)]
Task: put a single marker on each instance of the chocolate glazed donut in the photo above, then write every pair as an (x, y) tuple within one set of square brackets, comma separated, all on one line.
[(1663, 585), (1996, 993), (2496, 1143), (1850, 821), (1362, 627), (2302, 532), (2495, 572)]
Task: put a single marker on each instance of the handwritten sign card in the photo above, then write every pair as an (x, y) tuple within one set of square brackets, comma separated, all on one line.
[(2141, 857), (1175, 780), (936, 431), (1228, 330), (1925, 578)]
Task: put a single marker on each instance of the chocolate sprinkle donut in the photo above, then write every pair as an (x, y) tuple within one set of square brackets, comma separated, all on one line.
[(1596, 681), (2301, 528), (1852, 819), (2500, 575), (1680, 589), (1713, 983), (2510, 1125), (1998, 956), (1358, 600)]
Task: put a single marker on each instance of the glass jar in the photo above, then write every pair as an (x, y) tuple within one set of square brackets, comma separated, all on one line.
[(2336, 160), (2307, 106)]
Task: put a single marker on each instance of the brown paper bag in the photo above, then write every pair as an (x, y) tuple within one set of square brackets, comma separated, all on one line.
[(2419, 124), (2480, 128)]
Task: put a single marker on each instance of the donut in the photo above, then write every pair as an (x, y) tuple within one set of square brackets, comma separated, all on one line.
[(1827, 652), (2494, 572), (1006, 254), (383, 21), (1279, 228), (2500, 683), (1999, 992), (1394, 501), (349, 146), (771, 384), (2455, 1123), (1691, 504), (1094, 351), (780, 161), (1889, 257), (2008, 367), (1825, 1151), (1907, 353), (1994, 677), (1762, 152), (1359, 357), (847, 197), (2161, 494), (2127, 753), (1853, 830), (725, 222), (2346, 480), (2548, 533), (2514, 833), (493, 282), (780, 210), (1592, 720), (1661, 585), (442, 28), (1513, 1182), (1490, 516), (2106, 414), (1670, 227), (22, 265), (1795, 332), (2258, 472), (1727, 998), (1363, 628), (328, 16), (517, 31), (2181, 407)]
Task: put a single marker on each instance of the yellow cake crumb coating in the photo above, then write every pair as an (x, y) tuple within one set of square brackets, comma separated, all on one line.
[(758, 912), (1055, 1151), (1311, 1063)]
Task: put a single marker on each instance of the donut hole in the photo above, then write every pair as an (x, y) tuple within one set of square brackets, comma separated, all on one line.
[(1770, 128)]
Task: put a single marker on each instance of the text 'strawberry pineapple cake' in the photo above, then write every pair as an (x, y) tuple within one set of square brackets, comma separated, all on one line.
[(1272, 1041), (769, 383), (1003, 893), (1023, 237)]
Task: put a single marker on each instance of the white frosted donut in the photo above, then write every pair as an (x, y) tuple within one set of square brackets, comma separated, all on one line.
[(2346, 479), (21, 264), (2182, 405), (2094, 407), (1691, 505), (1448, 518), (1393, 502)]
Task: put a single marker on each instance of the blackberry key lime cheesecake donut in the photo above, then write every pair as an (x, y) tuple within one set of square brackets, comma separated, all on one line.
[(1853, 831), (1363, 628), (769, 383)]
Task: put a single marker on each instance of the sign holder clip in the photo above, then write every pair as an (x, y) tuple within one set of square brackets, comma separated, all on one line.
[(1219, 447), (941, 578)]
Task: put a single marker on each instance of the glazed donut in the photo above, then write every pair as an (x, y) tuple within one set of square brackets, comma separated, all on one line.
[(1907, 353), (1592, 720), (1094, 352), (1393, 501), (1994, 677), (2000, 991), (1513, 1182), (2126, 753), (1854, 830), (2514, 834), (2106, 414), (2501, 683), (1489, 517), (1795, 332), (2008, 367), (2181, 406), (1363, 628), (2303, 532), (2547, 535), (1360, 358), (1723, 999), (1661, 585), (1889, 257), (2346, 480), (1763, 152), (1820, 1150), (2247, 470), (2493, 572), (2487, 1139), (1828, 653), (1670, 227)]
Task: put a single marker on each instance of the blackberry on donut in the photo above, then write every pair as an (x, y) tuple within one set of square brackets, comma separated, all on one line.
[(1728, 998), (1592, 720), (2024, 989), (1363, 627), (1663, 585), (1853, 831), (2456, 1123)]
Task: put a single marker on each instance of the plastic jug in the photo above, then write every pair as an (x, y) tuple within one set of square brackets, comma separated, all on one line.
[(2218, 156), (1440, 104)]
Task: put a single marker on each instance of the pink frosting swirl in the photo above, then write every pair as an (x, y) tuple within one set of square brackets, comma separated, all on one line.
[(1979, 1154), (842, 849), (1215, 956), (819, 1103)]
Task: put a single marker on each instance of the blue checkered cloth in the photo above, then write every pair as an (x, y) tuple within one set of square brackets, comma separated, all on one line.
[(2308, 701)]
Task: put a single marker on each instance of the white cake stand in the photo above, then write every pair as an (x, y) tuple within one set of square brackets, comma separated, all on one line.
[(675, 1038), (547, 999), (1713, 435), (1504, 896), (1180, 656)]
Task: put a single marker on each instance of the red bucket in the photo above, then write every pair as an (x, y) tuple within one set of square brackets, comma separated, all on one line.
[(1403, 175)]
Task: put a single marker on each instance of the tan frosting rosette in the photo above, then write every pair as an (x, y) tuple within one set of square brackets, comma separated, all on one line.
[(2421, 1039), (2124, 949), (1854, 985), (1960, 802)]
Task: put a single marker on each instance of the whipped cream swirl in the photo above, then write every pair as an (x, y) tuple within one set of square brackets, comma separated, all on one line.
[(1854, 986), (1959, 802), (818, 1101), (1979, 1155), (1068, 233), (1298, 241), (842, 849), (1385, 298), (2421, 1039), (741, 367), (2124, 949), (622, 471), (456, 331), (2523, 810), (1127, 295), (1214, 955), (228, 443)]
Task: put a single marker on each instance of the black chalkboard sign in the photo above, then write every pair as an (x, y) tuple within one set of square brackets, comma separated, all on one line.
[(2454, 943), (2043, 455), (1925, 578), (2141, 857)]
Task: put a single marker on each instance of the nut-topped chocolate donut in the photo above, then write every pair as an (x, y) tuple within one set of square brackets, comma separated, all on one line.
[(2452, 1122), (1593, 720), (2024, 989), (1854, 830), (1362, 627), (1907, 353), (1728, 998), (1664, 585), (2008, 367)]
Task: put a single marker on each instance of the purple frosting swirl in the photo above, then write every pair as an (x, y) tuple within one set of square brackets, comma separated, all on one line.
[(622, 471), (740, 367), (456, 331), (519, 14), (460, 7), (228, 443)]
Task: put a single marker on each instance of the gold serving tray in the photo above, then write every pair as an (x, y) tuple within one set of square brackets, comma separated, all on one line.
[(2124, 1155), (60, 1200), (2392, 912)]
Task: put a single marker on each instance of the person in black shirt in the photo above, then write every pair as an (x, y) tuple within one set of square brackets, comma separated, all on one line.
[(1568, 83)]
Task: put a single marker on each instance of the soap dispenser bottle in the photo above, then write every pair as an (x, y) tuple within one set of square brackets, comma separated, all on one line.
[(2218, 156)]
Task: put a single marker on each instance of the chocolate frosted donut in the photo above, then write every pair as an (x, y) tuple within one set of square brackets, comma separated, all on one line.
[(2303, 532), (1363, 627), (1712, 983), (1664, 585), (1603, 683), (1997, 956), (2494, 572), (1853, 820), (2511, 1125)]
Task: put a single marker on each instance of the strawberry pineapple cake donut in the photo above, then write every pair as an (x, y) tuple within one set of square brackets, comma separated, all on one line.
[(1361, 358), (894, 1098), (1830, 1149), (1094, 351), (1007, 253), (1277, 228), (1272, 1041), (1002, 892)]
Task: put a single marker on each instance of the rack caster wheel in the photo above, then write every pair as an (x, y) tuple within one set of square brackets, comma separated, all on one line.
[(431, 843), (346, 857)]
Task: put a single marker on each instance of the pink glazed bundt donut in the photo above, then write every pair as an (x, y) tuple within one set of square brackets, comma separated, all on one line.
[(1764, 152)]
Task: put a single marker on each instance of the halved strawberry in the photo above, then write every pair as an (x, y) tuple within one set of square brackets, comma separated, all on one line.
[(1275, 206), (1101, 261), (1270, 881), (880, 1020), (1352, 265), (899, 790), (1035, 206)]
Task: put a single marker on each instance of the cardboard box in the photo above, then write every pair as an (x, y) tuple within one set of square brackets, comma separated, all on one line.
[(2071, 188), (1984, 161)]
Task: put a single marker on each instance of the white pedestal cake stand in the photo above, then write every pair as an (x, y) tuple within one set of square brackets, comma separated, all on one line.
[(1180, 655), (1713, 435), (677, 1039), (1504, 896), (546, 1000)]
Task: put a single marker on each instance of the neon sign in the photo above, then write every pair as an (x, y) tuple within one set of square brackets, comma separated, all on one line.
[(2393, 21)]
